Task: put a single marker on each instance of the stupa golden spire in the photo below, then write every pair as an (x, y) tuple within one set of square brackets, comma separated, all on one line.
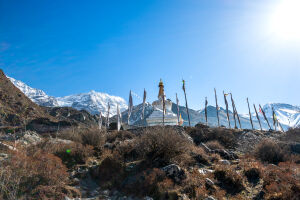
[(161, 92)]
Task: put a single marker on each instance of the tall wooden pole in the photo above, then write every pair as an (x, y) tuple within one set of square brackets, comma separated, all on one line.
[(164, 105), (226, 103), (187, 108), (274, 119), (217, 107), (177, 102), (238, 117), (206, 111), (250, 114), (233, 110), (257, 117), (264, 114), (237, 114)]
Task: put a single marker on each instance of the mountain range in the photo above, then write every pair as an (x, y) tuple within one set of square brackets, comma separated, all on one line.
[(94, 102)]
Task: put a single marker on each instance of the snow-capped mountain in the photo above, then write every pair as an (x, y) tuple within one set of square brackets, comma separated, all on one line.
[(287, 114), (93, 102), (37, 96)]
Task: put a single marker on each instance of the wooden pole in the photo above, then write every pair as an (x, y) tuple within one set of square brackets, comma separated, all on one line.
[(187, 108), (217, 107), (226, 103), (238, 117), (233, 110), (206, 111), (257, 117), (237, 114), (250, 114), (274, 120), (163, 99), (177, 102), (264, 114)]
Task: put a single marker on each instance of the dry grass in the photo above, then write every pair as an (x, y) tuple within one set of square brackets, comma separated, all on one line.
[(26, 176), (161, 146), (86, 136), (270, 152), (224, 136), (214, 144), (229, 179), (71, 154), (282, 182), (293, 135)]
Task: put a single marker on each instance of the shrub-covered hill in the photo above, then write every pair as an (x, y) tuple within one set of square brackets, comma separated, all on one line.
[(169, 162)]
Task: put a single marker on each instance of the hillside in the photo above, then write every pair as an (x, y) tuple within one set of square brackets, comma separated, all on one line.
[(15, 107)]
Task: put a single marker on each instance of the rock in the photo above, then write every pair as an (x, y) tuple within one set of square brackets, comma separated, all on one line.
[(205, 171), (228, 155), (201, 125), (295, 148), (175, 172), (209, 182), (225, 162), (109, 145), (209, 198), (3, 157), (28, 138), (183, 197), (206, 148)]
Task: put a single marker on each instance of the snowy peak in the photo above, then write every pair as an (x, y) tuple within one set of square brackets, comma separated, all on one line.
[(37, 96), (286, 114), (93, 101)]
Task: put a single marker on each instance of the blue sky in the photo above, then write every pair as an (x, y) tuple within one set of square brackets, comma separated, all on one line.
[(67, 47)]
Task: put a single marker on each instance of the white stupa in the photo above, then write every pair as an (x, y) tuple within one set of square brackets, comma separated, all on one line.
[(156, 117)]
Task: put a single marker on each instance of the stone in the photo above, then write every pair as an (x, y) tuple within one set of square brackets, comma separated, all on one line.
[(228, 155), (175, 172), (209, 198), (225, 162), (209, 182), (205, 147)]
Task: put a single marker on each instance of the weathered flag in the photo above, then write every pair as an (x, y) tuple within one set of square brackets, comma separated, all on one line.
[(144, 103), (119, 118), (107, 118), (130, 106)]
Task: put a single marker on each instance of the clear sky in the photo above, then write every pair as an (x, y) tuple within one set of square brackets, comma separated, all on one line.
[(248, 47)]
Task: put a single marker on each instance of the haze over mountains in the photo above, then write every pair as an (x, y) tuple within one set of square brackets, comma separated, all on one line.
[(93, 102)]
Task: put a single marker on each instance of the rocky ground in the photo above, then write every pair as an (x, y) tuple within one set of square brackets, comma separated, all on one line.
[(151, 163)]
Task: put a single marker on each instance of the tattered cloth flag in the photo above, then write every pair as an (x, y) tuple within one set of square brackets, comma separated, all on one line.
[(186, 104), (119, 118), (100, 120), (130, 106), (144, 103), (180, 121), (107, 118), (206, 110)]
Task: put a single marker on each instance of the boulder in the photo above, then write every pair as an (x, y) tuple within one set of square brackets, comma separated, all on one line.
[(175, 172)]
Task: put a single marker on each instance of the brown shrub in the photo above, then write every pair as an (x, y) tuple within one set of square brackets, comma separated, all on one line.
[(70, 153), (293, 135), (111, 171), (282, 182), (214, 144), (269, 151), (151, 182), (161, 146), (25, 176), (119, 136), (224, 136), (229, 179), (87, 136)]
